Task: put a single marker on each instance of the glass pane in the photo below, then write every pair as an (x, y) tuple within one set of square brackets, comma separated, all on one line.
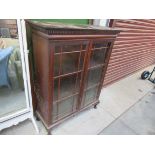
[(65, 107), (94, 76), (71, 48), (100, 44), (54, 113), (90, 95), (56, 64), (57, 49), (68, 85), (97, 57), (70, 62), (12, 92), (55, 91)]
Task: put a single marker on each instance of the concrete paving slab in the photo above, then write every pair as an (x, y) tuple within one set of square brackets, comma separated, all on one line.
[(117, 128), (141, 117), (120, 96), (110, 105), (89, 122), (23, 128)]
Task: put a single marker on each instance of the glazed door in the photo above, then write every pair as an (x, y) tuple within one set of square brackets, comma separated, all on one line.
[(94, 71), (14, 97), (68, 69)]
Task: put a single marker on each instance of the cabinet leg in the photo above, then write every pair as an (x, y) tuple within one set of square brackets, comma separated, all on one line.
[(37, 118), (95, 106), (49, 132)]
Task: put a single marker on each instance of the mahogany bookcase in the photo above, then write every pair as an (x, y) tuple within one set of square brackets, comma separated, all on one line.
[(70, 63)]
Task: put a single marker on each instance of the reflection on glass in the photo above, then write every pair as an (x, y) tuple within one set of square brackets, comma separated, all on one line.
[(64, 107), (55, 91), (12, 95), (71, 48), (56, 64), (67, 106), (68, 85), (54, 113), (97, 57), (70, 62), (100, 45), (94, 76), (89, 96), (57, 49)]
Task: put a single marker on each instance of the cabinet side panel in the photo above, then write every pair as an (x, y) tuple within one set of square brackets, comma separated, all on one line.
[(41, 65), (31, 68)]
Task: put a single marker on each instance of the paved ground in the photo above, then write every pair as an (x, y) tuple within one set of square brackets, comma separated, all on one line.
[(11, 101), (126, 107), (139, 119)]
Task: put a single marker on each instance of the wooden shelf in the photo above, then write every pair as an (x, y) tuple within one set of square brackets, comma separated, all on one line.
[(97, 66), (69, 52), (67, 74)]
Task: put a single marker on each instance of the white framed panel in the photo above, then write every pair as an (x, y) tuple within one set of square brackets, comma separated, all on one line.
[(21, 45), (25, 113)]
